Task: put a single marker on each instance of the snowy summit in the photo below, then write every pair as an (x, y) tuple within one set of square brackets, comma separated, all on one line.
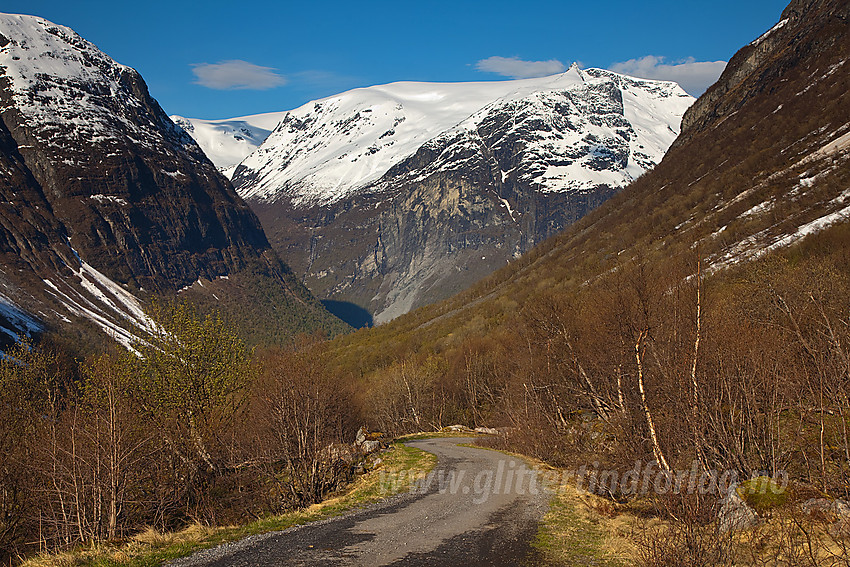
[(330, 148)]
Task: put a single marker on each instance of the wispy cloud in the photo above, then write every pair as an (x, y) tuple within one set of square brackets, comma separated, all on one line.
[(693, 76), (517, 68), (237, 75)]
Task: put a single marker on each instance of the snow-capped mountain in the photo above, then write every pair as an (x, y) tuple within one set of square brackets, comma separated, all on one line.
[(397, 195), (328, 149), (102, 198), (228, 142)]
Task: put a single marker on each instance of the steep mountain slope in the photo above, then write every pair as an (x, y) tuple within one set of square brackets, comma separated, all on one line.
[(697, 319), (396, 196), (762, 162), (228, 142), (103, 197)]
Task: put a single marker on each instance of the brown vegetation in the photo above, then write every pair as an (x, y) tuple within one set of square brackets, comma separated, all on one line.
[(192, 427), (745, 371)]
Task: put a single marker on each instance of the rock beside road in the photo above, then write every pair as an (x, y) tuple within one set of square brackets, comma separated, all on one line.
[(734, 513)]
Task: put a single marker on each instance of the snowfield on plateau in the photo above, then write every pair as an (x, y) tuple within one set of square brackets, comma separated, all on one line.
[(227, 142), (328, 149)]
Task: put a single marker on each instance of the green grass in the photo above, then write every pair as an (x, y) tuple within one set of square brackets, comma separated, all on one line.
[(763, 494), (437, 435), (400, 467)]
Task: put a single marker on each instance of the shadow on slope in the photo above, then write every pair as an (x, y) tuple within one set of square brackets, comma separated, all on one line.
[(349, 312)]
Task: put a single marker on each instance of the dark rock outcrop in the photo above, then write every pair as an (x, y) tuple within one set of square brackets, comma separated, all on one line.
[(807, 29)]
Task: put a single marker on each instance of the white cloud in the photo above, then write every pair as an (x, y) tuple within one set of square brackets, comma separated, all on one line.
[(516, 68), (236, 75), (693, 76)]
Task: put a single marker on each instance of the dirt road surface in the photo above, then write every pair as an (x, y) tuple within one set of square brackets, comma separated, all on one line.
[(478, 507)]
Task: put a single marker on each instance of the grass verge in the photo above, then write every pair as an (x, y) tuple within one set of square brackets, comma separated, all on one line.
[(577, 531), (400, 467), (579, 528), (438, 434)]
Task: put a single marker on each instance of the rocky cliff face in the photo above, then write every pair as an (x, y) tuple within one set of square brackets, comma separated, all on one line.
[(102, 194), (410, 216), (807, 30)]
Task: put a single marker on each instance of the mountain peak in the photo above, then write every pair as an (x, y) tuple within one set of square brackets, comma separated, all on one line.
[(104, 197), (60, 81), (328, 149)]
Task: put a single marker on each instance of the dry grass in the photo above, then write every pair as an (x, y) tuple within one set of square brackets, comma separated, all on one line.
[(584, 529)]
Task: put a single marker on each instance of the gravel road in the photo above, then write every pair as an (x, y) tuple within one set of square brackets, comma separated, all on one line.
[(477, 508)]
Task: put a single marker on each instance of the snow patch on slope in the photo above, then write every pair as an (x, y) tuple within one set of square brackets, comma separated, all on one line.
[(109, 306), (770, 239), (759, 244), (121, 301), (14, 320), (767, 34), (228, 142)]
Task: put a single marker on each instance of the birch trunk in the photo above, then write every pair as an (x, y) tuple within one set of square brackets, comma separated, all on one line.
[(656, 446)]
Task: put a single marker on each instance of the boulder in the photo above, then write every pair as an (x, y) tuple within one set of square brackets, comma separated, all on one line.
[(734, 513), (486, 430), (360, 438), (835, 512), (371, 446)]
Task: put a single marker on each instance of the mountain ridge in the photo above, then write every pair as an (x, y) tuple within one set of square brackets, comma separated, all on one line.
[(385, 124)]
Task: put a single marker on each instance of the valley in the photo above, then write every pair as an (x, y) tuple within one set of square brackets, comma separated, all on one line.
[(242, 341)]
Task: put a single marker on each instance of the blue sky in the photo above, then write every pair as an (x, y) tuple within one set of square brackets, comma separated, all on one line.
[(224, 59)]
